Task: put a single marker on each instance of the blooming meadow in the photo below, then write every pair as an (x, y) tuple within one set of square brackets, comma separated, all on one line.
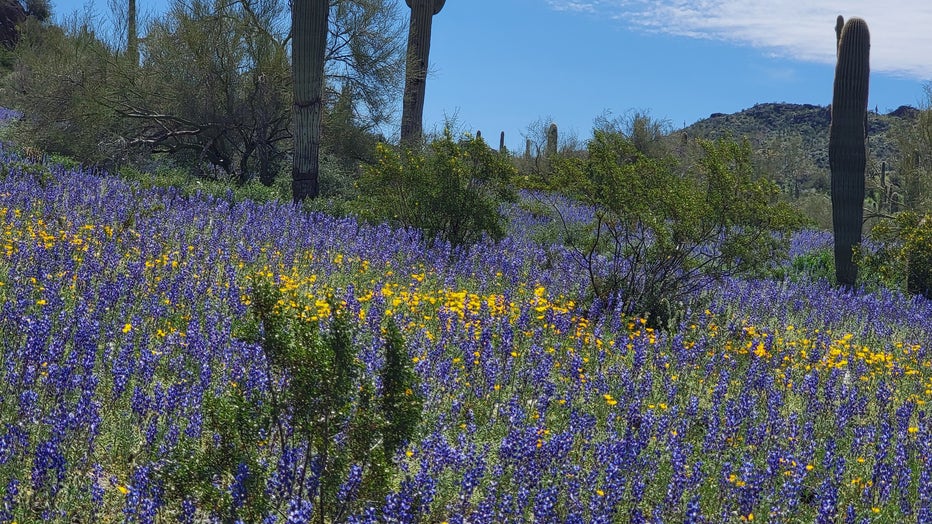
[(124, 311)]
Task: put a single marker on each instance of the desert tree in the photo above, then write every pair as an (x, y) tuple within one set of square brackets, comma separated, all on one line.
[(662, 232), (41, 10), (212, 87), (59, 76)]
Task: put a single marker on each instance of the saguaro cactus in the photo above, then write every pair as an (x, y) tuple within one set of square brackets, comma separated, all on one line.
[(309, 30), (839, 24), (552, 140), (132, 37), (501, 142), (847, 150), (412, 111)]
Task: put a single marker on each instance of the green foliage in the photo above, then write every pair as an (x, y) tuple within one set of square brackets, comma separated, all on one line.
[(817, 208), (205, 469), (451, 192), (660, 234), (322, 375), (909, 186), (41, 10), (903, 256), (214, 90), (401, 401), (189, 184), (345, 137), (813, 266), (39, 171), (59, 82), (317, 392)]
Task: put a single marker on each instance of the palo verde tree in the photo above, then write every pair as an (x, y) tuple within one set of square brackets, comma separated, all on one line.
[(661, 233), (213, 87), (847, 148), (452, 191), (422, 14), (59, 77)]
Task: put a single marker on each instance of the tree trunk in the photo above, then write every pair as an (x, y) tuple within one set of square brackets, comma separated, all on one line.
[(309, 42), (412, 112)]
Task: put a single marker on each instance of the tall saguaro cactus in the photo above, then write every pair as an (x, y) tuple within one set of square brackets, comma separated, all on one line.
[(551, 140), (847, 149), (132, 37), (412, 112), (309, 42)]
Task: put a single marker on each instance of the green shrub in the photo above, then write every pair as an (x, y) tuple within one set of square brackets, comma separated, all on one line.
[(661, 233), (451, 192), (316, 392), (813, 266), (902, 258), (400, 399)]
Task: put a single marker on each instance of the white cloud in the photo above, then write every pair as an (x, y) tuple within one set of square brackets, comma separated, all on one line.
[(805, 30), (579, 7)]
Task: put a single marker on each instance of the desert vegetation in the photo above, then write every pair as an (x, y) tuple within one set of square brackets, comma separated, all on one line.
[(645, 325)]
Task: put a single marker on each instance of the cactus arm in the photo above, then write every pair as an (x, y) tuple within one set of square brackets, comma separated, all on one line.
[(839, 24)]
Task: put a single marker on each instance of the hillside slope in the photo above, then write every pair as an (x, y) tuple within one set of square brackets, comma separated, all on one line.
[(765, 124)]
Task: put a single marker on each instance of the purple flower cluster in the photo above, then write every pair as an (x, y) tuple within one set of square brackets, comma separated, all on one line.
[(123, 312)]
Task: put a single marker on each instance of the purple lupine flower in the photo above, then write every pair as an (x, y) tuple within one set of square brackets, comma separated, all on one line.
[(10, 494), (238, 487), (348, 488), (299, 512)]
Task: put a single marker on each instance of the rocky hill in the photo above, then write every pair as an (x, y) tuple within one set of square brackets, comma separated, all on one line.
[(768, 125)]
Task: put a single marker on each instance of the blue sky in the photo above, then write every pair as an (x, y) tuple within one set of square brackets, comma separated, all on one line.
[(501, 65)]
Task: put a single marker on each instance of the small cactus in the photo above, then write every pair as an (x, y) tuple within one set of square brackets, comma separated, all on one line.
[(847, 150), (552, 140), (501, 142)]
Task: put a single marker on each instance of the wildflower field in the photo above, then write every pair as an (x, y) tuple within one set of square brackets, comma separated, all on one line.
[(128, 316)]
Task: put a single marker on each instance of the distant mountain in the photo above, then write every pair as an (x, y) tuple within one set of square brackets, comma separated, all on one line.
[(768, 124)]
